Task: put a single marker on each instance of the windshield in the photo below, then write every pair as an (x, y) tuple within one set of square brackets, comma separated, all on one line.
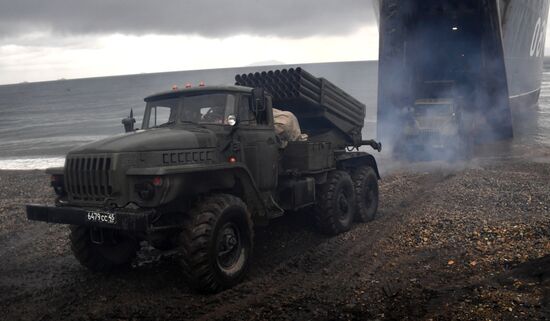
[(433, 110), (198, 109)]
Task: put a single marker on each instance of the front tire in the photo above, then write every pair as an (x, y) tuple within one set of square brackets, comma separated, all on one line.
[(217, 243), (115, 251), (335, 207), (365, 182)]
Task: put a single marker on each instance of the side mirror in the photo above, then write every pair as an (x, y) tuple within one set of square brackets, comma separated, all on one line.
[(129, 122), (231, 120)]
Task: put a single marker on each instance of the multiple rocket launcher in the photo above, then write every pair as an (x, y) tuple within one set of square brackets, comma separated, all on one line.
[(325, 111)]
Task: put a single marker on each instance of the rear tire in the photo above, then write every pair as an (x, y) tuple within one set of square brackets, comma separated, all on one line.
[(217, 243), (335, 209), (116, 251), (365, 182)]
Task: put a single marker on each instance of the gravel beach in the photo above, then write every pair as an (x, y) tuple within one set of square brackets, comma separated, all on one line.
[(452, 242)]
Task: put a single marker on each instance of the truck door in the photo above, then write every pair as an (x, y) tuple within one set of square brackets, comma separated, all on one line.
[(259, 146)]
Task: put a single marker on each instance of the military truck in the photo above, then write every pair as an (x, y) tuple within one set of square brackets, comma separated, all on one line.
[(435, 127), (431, 128), (206, 167)]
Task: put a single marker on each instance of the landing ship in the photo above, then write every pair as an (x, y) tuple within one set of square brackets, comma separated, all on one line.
[(490, 50)]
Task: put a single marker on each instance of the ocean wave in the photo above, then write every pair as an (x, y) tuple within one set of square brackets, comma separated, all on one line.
[(63, 139), (31, 163)]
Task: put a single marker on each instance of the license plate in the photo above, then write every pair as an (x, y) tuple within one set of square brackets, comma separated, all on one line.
[(101, 217)]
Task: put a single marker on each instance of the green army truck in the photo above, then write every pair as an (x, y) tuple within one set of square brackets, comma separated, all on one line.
[(435, 127), (207, 166)]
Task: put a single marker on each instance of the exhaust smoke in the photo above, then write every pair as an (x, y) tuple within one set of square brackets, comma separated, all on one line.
[(442, 78)]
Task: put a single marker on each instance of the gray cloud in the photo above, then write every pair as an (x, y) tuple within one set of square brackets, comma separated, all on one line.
[(211, 18)]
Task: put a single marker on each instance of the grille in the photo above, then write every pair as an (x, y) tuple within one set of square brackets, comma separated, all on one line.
[(89, 178), (430, 133)]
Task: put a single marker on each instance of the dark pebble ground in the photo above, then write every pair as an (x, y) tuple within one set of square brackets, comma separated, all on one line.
[(452, 242)]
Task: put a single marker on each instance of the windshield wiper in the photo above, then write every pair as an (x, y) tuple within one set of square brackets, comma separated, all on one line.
[(171, 122), (192, 123)]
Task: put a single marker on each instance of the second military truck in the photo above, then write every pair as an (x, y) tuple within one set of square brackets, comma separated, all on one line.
[(209, 164)]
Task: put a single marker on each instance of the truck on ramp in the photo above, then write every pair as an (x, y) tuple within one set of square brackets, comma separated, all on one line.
[(491, 49)]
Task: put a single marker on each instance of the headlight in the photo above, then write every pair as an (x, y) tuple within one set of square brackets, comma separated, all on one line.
[(146, 190)]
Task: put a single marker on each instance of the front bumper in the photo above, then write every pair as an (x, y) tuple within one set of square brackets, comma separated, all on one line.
[(120, 219)]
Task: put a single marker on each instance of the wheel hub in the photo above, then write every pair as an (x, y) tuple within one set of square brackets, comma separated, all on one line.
[(229, 246), (343, 205)]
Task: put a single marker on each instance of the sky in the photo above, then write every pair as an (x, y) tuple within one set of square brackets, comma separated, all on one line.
[(54, 39)]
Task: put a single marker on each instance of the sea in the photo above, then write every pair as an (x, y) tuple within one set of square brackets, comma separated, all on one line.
[(41, 121)]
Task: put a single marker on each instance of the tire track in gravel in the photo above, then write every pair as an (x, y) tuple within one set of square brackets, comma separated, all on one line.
[(327, 272)]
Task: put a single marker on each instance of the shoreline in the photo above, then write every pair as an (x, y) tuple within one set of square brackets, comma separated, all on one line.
[(31, 163)]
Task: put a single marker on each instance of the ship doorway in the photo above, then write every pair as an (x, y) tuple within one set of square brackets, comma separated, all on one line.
[(444, 46), (431, 49)]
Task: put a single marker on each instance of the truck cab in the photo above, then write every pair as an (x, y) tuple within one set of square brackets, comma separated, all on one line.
[(435, 125), (238, 119), (435, 121), (433, 130)]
